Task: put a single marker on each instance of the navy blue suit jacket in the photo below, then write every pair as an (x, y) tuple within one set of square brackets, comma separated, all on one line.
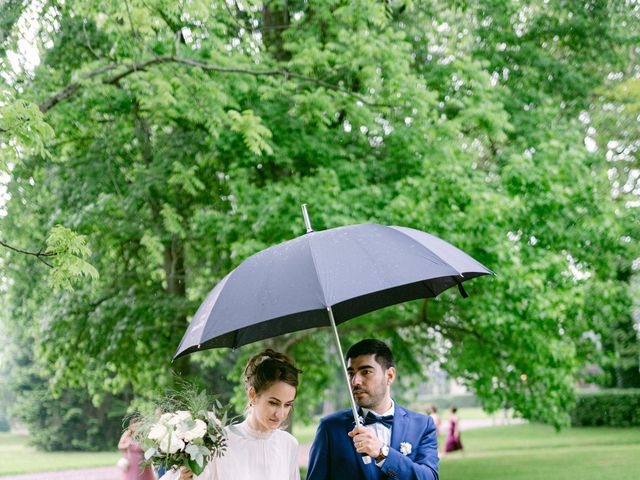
[(334, 457)]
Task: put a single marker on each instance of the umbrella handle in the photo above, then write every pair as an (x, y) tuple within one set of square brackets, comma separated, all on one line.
[(354, 409)]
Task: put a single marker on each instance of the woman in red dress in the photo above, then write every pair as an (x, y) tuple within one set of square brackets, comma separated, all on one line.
[(453, 442)]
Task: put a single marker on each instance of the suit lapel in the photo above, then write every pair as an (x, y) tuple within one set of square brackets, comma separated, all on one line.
[(399, 427)]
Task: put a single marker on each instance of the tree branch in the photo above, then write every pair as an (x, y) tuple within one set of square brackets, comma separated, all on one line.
[(40, 254), (133, 29), (88, 41), (72, 88)]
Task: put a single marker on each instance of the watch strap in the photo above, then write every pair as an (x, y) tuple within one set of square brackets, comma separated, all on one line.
[(381, 456)]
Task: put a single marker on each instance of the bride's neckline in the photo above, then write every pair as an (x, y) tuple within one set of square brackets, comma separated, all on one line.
[(246, 429)]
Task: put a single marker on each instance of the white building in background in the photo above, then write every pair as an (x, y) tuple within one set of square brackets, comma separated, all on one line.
[(439, 389), (440, 384)]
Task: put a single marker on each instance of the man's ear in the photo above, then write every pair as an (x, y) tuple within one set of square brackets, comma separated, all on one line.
[(391, 375)]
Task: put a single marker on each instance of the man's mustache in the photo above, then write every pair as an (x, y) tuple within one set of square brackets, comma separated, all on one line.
[(358, 389)]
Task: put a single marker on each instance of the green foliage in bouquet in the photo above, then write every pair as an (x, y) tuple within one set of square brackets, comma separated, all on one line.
[(186, 429)]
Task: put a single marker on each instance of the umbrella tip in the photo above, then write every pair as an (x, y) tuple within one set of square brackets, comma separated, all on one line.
[(305, 215)]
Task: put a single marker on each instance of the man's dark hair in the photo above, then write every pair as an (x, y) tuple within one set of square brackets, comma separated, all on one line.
[(371, 346)]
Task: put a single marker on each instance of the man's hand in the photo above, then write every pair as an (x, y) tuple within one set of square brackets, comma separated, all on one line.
[(366, 441)]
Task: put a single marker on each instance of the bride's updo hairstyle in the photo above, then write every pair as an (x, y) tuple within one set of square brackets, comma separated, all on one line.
[(267, 368)]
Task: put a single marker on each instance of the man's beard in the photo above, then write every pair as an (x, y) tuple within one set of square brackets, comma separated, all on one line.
[(374, 396)]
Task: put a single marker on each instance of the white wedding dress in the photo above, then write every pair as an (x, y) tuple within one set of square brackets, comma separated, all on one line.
[(253, 455)]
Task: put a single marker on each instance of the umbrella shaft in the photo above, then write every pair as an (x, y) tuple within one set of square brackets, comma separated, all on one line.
[(365, 458), (354, 408)]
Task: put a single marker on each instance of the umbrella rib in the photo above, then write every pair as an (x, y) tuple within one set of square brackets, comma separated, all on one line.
[(265, 282), (428, 287), (381, 271), (315, 269)]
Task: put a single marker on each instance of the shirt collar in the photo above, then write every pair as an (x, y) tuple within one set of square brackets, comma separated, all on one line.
[(391, 411)]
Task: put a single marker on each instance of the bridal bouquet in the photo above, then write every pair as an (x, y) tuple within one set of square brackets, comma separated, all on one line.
[(185, 430)]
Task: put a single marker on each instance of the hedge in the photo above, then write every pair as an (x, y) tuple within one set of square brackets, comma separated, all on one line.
[(611, 408)]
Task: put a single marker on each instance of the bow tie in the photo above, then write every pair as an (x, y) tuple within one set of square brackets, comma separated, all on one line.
[(371, 418)]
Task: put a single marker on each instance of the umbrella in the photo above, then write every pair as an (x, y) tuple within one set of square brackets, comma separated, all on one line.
[(325, 278)]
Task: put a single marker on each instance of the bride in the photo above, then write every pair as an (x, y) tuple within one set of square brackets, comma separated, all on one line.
[(257, 448)]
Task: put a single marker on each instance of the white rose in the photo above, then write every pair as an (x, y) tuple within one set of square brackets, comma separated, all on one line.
[(198, 430), (171, 443), (180, 416), (158, 431), (183, 415), (165, 417)]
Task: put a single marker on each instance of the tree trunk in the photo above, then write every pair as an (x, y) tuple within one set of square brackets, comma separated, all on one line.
[(174, 268), (275, 20), (174, 251)]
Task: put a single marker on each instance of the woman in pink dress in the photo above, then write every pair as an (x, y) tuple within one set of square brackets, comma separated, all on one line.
[(453, 436), (433, 413), (133, 457)]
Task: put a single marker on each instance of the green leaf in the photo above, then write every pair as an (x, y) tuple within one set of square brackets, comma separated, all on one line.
[(255, 134), (195, 467), (69, 250)]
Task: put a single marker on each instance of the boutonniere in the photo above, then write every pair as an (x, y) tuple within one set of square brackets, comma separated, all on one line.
[(405, 448)]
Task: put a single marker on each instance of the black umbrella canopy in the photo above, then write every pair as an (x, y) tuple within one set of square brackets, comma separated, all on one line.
[(348, 271)]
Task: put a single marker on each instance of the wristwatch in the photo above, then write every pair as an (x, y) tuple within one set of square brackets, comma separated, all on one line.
[(384, 453)]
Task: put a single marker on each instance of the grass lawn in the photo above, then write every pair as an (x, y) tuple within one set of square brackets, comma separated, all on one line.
[(17, 457), (537, 452), (304, 433), (516, 452)]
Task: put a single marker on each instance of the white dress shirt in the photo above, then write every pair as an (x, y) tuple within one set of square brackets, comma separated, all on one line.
[(383, 433)]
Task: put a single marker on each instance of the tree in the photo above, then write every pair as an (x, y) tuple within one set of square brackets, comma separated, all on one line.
[(614, 129), (187, 135), (23, 131)]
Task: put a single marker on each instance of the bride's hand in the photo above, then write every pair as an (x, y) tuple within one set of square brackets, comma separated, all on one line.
[(185, 473)]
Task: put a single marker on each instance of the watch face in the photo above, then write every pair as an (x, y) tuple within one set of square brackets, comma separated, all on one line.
[(385, 450)]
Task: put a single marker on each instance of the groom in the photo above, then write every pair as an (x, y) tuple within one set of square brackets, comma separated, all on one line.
[(402, 444)]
